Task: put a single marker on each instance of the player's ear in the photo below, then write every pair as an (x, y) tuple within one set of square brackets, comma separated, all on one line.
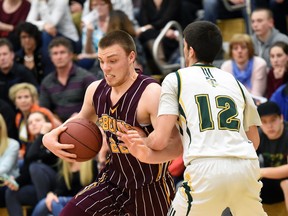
[(132, 56), (191, 52)]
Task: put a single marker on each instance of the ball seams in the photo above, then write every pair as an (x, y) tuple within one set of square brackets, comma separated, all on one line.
[(94, 131)]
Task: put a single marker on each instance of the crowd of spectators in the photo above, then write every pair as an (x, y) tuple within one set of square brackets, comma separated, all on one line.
[(48, 57)]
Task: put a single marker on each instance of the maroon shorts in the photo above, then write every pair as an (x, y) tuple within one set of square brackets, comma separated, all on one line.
[(104, 198)]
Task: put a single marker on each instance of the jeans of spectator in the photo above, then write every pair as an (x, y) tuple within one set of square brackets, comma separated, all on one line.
[(43, 177), (46, 39), (58, 206), (42, 210), (26, 195), (211, 12)]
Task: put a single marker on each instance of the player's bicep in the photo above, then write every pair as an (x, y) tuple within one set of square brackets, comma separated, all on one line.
[(149, 104)]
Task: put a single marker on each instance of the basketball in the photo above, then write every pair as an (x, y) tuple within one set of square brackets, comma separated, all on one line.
[(86, 137)]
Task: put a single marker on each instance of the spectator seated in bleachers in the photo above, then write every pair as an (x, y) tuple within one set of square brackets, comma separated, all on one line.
[(38, 163), (265, 34), (272, 152), (63, 90), (278, 74), (249, 69), (30, 53), (8, 159)]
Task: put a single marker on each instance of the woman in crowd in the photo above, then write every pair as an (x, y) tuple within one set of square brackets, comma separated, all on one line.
[(30, 54), (25, 98), (249, 69), (8, 158), (278, 74)]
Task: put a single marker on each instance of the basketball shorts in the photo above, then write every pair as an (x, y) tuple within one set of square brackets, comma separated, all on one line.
[(105, 198), (212, 184)]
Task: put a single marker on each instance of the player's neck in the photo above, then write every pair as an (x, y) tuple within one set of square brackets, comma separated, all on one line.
[(118, 91), (201, 63)]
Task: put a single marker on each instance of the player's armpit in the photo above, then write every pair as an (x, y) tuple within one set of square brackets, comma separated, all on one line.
[(253, 136)]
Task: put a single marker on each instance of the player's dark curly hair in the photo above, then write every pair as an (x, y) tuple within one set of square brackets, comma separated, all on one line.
[(205, 38)]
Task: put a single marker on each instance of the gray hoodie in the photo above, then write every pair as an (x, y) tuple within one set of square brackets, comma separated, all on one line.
[(262, 49)]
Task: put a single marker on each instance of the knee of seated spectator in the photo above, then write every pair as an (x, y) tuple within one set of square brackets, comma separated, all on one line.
[(35, 169)]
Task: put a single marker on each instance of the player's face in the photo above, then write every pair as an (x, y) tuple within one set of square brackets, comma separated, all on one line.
[(240, 53), (24, 100), (272, 126), (35, 122), (116, 64), (6, 58), (61, 56), (278, 58), (261, 23)]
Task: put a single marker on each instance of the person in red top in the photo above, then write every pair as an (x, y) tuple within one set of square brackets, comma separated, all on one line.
[(278, 74), (12, 13)]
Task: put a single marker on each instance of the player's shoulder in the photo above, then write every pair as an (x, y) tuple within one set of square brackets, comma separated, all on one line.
[(94, 85)]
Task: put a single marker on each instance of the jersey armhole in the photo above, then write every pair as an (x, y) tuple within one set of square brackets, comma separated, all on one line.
[(241, 91), (179, 84)]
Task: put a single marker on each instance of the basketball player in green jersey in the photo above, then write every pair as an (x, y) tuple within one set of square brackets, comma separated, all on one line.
[(218, 120)]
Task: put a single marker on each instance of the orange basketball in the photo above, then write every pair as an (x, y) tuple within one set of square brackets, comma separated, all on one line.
[(86, 137)]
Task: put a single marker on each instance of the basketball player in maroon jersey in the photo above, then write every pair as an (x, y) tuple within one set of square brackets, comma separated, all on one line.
[(125, 186)]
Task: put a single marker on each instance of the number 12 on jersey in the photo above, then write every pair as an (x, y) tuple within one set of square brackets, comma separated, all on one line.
[(226, 117)]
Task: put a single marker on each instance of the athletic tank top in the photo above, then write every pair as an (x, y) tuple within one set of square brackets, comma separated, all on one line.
[(123, 169)]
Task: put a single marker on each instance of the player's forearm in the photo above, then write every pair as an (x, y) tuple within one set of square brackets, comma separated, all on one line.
[(275, 172), (253, 136), (151, 156)]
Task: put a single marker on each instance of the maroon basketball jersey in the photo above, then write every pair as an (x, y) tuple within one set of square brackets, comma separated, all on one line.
[(124, 169)]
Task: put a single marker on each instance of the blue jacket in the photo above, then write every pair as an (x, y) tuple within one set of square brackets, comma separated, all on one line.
[(280, 97)]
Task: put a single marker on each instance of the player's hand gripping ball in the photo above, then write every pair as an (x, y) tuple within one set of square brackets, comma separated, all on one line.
[(86, 137)]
